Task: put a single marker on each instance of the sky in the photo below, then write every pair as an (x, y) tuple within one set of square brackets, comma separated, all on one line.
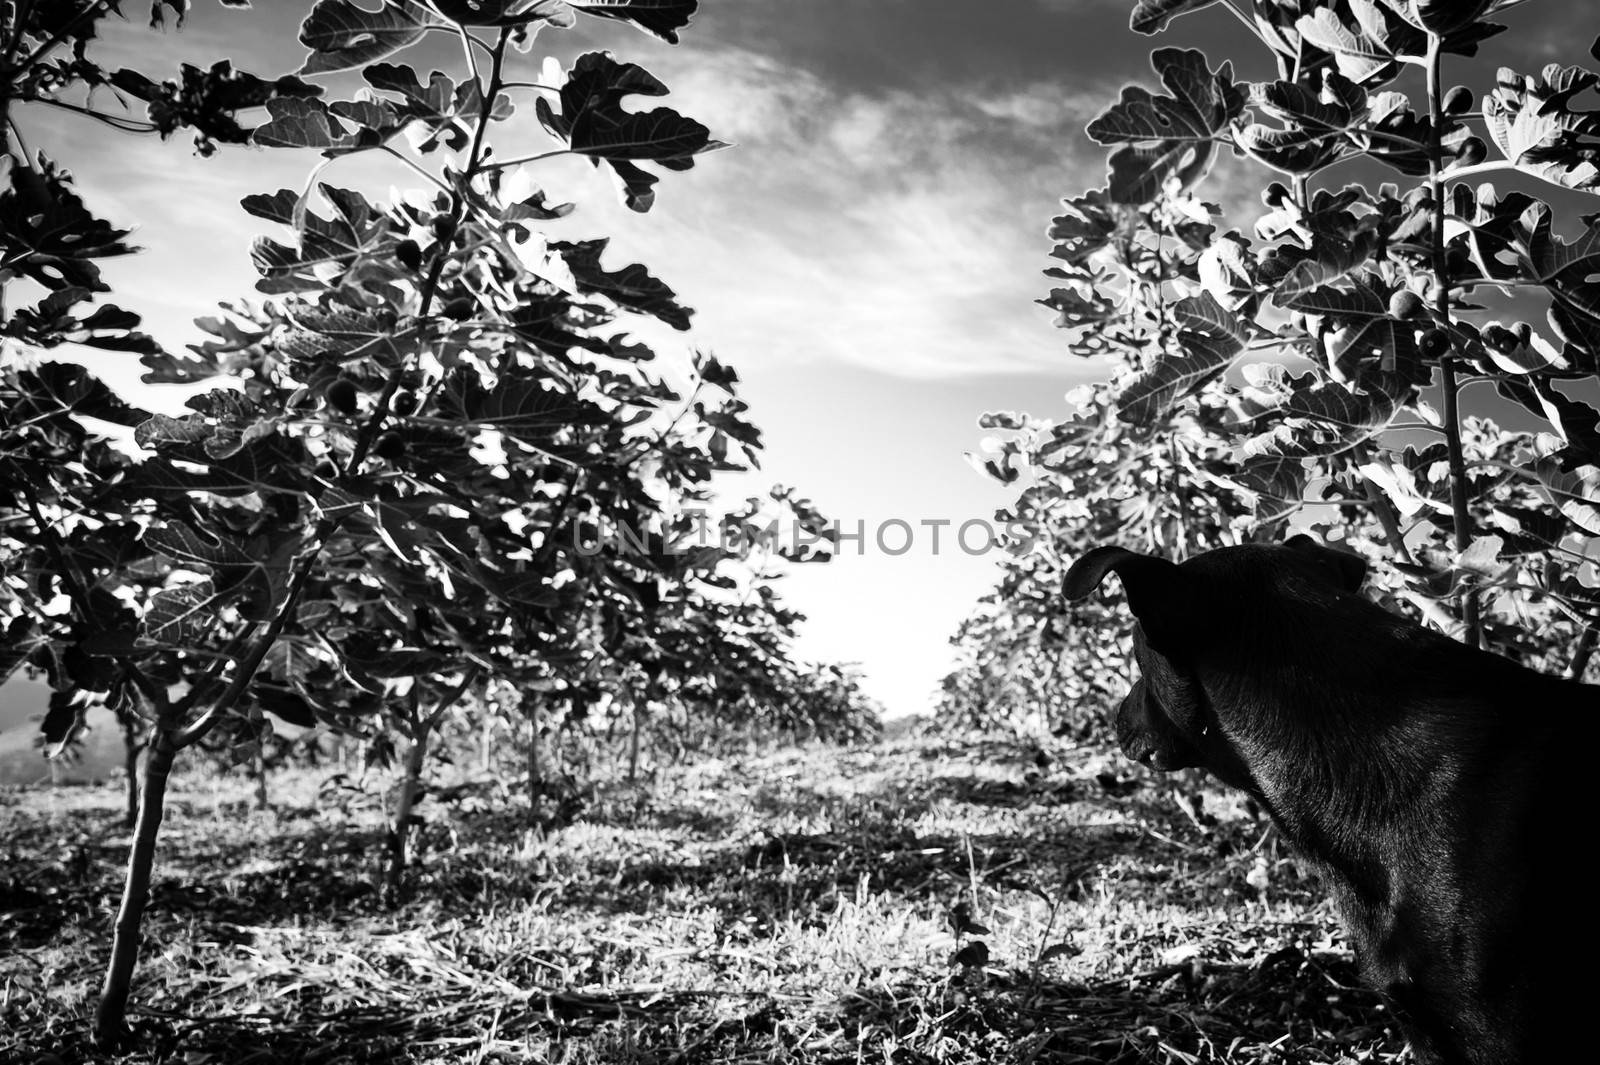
[(866, 254)]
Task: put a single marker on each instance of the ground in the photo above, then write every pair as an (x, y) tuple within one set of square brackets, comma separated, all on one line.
[(798, 906)]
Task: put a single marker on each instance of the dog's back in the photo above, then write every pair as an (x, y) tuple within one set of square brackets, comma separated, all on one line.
[(1476, 907), (1483, 907), (1441, 789)]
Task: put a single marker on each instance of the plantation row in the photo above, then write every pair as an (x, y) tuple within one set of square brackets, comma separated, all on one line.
[(383, 517), (1336, 362)]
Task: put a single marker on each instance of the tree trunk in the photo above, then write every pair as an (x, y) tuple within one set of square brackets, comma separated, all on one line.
[(404, 804), (486, 745), (110, 1020), (258, 768), (1582, 654), (633, 746), (130, 764), (535, 769)]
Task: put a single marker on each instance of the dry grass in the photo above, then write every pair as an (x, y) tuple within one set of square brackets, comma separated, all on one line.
[(790, 908)]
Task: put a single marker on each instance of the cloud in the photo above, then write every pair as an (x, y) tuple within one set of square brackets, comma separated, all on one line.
[(1045, 105), (899, 230), (894, 227)]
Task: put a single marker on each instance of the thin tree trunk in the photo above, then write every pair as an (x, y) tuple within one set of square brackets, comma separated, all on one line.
[(130, 762), (633, 746), (486, 744), (258, 767), (405, 803), (535, 769), (110, 1020), (404, 806), (424, 726)]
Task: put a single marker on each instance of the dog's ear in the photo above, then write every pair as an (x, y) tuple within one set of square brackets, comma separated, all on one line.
[(1158, 592), (1347, 568)]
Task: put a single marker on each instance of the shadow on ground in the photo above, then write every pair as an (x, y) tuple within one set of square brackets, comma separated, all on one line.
[(1293, 1006), (777, 849)]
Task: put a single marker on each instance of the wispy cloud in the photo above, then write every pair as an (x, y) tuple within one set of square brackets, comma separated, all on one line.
[(898, 230)]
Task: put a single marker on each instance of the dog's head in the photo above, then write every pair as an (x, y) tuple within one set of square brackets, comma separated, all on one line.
[(1200, 626)]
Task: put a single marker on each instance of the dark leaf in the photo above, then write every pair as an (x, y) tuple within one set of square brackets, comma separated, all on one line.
[(183, 544), (179, 617), (505, 12), (1316, 125), (342, 35), (208, 100), (285, 705), (974, 955), (1577, 423), (632, 287), (64, 719), (1209, 336), (47, 235), (357, 234), (1171, 137), (1152, 16), (1332, 259), (593, 123), (659, 18), (439, 105), (1514, 240), (335, 129), (520, 407), (1576, 493), (55, 388), (158, 15), (22, 638), (962, 922), (1359, 328)]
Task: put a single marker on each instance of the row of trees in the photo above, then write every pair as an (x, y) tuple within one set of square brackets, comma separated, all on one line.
[(1331, 363), (403, 488)]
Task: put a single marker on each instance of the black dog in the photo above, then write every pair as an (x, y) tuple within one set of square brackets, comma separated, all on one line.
[(1443, 791)]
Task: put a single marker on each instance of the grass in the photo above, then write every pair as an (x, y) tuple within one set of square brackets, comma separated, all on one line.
[(795, 907)]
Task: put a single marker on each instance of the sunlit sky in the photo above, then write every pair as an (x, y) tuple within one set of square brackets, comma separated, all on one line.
[(866, 255)]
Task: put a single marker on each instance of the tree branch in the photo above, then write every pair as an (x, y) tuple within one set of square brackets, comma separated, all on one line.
[(246, 672), (60, 35), (1473, 635), (441, 255), (450, 700), (126, 125)]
